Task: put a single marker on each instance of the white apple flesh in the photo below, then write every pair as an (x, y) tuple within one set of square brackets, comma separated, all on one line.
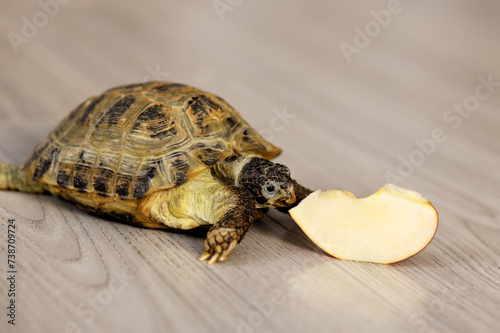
[(388, 226)]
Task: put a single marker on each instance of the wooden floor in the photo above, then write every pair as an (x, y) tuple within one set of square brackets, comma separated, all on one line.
[(356, 94)]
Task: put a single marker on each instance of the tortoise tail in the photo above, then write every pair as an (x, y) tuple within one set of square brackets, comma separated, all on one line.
[(12, 178)]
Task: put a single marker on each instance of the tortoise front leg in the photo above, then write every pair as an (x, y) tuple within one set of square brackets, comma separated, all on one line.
[(237, 211)]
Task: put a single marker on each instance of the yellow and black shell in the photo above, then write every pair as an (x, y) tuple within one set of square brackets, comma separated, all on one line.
[(136, 139)]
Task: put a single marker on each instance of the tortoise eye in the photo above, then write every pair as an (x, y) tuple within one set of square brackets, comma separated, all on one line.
[(269, 190)]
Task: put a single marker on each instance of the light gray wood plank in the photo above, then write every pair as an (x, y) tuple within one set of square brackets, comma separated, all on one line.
[(352, 122)]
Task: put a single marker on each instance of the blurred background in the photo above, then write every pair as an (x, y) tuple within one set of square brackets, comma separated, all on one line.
[(356, 93), (348, 70)]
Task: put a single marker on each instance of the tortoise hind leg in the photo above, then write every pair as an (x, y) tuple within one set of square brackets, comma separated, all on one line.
[(12, 178)]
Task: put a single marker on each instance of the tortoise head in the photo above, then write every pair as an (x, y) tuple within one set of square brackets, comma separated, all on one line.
[(269, 183)]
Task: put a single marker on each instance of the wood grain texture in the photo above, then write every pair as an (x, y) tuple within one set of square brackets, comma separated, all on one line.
[(341, 124)]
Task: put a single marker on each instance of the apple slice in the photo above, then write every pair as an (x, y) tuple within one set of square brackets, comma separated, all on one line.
[(388, 226)]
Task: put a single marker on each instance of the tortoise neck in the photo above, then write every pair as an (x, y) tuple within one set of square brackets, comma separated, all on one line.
[(229, 170)]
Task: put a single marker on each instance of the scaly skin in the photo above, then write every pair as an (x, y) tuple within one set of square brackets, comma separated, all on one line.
[(230, 229), (204, 201), (12, 178)]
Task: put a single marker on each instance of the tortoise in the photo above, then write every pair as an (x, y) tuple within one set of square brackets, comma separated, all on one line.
[(161, 155)]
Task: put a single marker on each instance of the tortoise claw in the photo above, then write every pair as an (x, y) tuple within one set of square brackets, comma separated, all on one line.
[(219, 245), (214, 259), (204, 256), (229, 249)]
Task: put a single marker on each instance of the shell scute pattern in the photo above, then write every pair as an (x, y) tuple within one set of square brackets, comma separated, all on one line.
[(113, 117), (85, 115), (156, 120), (135, 139)]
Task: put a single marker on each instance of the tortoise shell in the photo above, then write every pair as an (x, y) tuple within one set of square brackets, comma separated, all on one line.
[(136, 139)]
